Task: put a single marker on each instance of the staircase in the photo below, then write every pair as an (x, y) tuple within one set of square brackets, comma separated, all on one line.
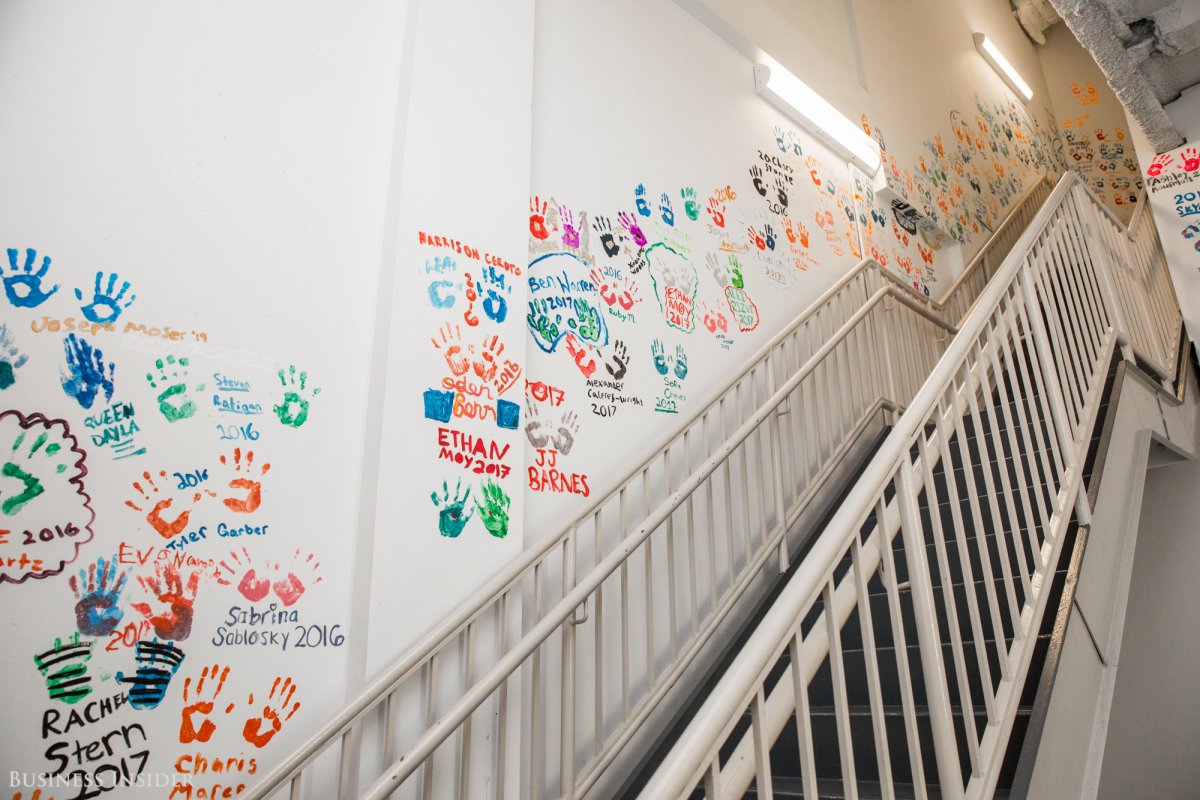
[(558, 676)]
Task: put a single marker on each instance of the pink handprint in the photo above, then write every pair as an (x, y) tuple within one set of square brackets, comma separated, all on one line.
[(630, 224), (1191, 159)]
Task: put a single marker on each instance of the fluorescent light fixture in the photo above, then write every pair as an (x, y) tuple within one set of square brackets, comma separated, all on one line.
[(999, 63), (794, 98)]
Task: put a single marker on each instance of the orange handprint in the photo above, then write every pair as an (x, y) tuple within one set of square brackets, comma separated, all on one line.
[(253, 488), (281, 694), (203, 705), (147, 488)]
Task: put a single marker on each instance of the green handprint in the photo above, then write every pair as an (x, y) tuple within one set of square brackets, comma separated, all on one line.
[(589, 320), (493, 511), (32, 486), (738, 282), (451, 519), (64, 667), (173, 401), (293, 411)]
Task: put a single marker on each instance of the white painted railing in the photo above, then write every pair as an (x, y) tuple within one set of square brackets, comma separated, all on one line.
[(997, 435), (616, 605)]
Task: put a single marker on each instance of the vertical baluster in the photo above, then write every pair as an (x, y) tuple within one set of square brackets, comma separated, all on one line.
[(908, 705), (464, 731), (431, 673), (691, 535), (566, 733), (501, 729), (762, 748), (871, 659), (964, 560), (672, 611), (804, 737), (945, 748), (710, 522), (985, 558), (951, 604), (598, 649), (1004, 496), (841, 701), (650, 584), (624, 613)]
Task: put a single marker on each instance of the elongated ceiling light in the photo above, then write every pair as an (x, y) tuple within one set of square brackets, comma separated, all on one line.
[(794, 98), (1002, 66)]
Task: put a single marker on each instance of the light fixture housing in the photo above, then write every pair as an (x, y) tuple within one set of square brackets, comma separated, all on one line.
[(1003, 67), (800, 103)]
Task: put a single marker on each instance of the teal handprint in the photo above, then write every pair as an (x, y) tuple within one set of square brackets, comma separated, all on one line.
[(493, 511), (451, 519), (681, 367), (11, 358), (660, 356)]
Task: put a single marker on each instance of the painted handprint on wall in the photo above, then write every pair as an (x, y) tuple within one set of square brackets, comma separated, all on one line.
[(23, 282), (87, 374), (493, 509), (199, 703), (98, 597), (170, 612), (107, 301), (11, 358), (278, 707), (292, 410), (451, 519), (564, 301), (156, 517), (675, 283), (42, 492), (155, 664), (64, 668), (170, 380)]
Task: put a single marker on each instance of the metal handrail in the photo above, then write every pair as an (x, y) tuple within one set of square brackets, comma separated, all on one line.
[(1045, 327), (497, 591)]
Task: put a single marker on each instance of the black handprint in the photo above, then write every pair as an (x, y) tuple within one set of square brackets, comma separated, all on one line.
[(535, 429), (781, 192), (620, 361), (603, 226), (759, 186)]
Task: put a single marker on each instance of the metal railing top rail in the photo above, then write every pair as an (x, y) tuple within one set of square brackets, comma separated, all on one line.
[(484, 598), (691, 758)]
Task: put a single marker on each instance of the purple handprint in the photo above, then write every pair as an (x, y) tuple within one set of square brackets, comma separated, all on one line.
[(570, 235)]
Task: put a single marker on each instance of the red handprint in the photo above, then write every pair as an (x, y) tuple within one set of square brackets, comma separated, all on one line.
[(291, 587), (281, 694), (757, 238), (203, 705), (716, 210), (175, 621), (1158, 165), (537, 218), (252, 586), (1191, 159)]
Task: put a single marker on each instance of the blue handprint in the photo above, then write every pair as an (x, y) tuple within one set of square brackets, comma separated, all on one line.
[(660, 356), (86, 372), (24, 286), (769, 233), (668, 213), (98, 610), (639, 198), (451, 519), (157, 663), (436, 297), (106, 307), (681, 368), (495, 303)]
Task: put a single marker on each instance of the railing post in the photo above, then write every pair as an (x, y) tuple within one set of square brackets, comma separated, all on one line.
[(566, 744), (1041, 343), (941, 720)]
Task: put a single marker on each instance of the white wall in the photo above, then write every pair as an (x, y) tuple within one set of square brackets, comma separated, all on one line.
[(226, 160), (1155, 720)]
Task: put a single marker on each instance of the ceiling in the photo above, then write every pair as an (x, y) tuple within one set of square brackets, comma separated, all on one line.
[(1148, 49)]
